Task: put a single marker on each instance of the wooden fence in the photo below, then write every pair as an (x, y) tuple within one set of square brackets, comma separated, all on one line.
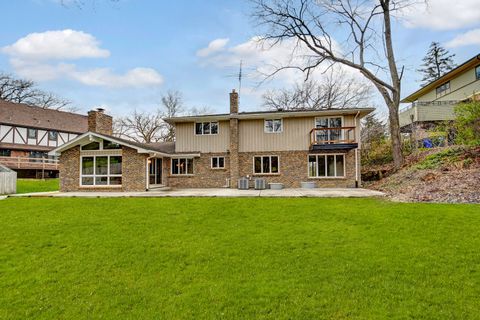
[(8, 180)]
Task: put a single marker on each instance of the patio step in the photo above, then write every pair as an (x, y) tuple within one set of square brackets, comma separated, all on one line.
[(156, 189)]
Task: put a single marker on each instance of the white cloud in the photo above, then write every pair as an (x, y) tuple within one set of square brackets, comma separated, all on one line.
[(442, 14), (55, 45), (42, 56), (214, 46), (471, 37)]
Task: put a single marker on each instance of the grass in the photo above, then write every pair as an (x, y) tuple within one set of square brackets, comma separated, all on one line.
[(200, 258), (36, 185)]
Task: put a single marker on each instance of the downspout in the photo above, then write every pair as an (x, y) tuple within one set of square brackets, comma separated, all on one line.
[(356, 153)]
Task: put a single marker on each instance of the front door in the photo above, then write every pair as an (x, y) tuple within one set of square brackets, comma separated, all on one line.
[(155, 171)]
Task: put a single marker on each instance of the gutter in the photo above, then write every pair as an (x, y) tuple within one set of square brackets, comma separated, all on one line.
[(356, 153)]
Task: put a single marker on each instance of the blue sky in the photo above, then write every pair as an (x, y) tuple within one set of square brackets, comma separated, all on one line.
[(125, 55)]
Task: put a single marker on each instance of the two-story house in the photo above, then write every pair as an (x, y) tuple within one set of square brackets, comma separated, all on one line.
[(435, 101), (214, 151), (28, 133)]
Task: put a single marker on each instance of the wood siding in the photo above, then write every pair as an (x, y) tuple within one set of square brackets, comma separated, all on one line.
[(461, 88), (188, 141), (295, 135)]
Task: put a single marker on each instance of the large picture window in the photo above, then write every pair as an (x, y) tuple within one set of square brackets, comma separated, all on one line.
[(266, 165), (326, 166), (273, 125), (205, 128), (101, 171), (182, 166)]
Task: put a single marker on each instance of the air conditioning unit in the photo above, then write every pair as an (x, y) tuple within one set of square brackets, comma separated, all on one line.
[(243, 184), (260, 184)]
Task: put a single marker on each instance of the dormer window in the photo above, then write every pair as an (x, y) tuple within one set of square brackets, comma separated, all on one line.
[(273, 125), (206, 128), (443, 89)]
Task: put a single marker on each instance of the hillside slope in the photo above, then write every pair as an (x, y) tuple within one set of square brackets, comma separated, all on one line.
[(450, 174)]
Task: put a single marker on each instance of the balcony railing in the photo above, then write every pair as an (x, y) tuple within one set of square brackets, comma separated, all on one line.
[(332, 136), (429, 104), (29, 163)]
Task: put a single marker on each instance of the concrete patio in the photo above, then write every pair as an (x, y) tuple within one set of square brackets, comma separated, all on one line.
[(313, 193)]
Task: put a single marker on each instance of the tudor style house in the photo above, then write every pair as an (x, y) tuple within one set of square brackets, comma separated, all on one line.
[(436, 101), (214, 151), (28, 133)]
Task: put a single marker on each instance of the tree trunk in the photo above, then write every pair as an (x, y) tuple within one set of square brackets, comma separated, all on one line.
[(395, 135)]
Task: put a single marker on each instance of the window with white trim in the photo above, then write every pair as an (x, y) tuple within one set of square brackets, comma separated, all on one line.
[(329, 134), (206, 128), (326, 166), (273, 125), (101, 170), (266, 164), (218, 163), (182, 166)]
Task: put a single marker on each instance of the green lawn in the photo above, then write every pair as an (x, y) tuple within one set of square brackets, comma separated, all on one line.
[(238, 258), (36, 185)]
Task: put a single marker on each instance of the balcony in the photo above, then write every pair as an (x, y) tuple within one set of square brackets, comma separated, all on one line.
[(341, 138), (421, 111), (29, 163)]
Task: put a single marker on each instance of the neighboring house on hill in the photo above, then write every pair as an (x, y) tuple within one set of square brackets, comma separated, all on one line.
[(213, 151), (436, 101), (28, 133)]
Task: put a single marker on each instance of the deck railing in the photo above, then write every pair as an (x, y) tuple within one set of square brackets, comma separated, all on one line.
[(29, 163), (340, 135)]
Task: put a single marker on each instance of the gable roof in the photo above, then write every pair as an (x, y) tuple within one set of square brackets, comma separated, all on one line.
[(473, 62), (267, 114), (159, 148), (20, 114)]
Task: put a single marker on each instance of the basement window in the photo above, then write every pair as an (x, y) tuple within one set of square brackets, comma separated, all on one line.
[(182, 166), (218, 163)]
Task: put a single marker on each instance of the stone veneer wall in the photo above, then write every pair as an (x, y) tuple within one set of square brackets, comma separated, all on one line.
[(69, 169), (294, 169), (133, 171), (204, 176)]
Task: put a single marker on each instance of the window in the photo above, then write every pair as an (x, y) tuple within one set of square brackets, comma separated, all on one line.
[(182, 166), (218, 162), (266, 165), (91, 146), (477, 72), (443, 89), (273, 125), (101, 171), (328, 135), (326, 166), (5, 153), (32, 133), (108, 145), (52, 135), (204, 128)]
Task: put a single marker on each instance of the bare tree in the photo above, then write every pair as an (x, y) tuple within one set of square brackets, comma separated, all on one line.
[(26, 91), (198, 111), (172, 103), (335, 91), (140, 127), (367, 41)]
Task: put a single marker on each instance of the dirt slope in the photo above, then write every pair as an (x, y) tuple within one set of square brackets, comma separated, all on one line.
[(449, 174)]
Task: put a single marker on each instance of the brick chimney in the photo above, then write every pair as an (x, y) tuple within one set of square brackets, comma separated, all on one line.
[(234, 171), (100, 122)]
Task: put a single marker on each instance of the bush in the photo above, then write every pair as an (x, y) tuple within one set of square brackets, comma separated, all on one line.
[(467, 123)]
